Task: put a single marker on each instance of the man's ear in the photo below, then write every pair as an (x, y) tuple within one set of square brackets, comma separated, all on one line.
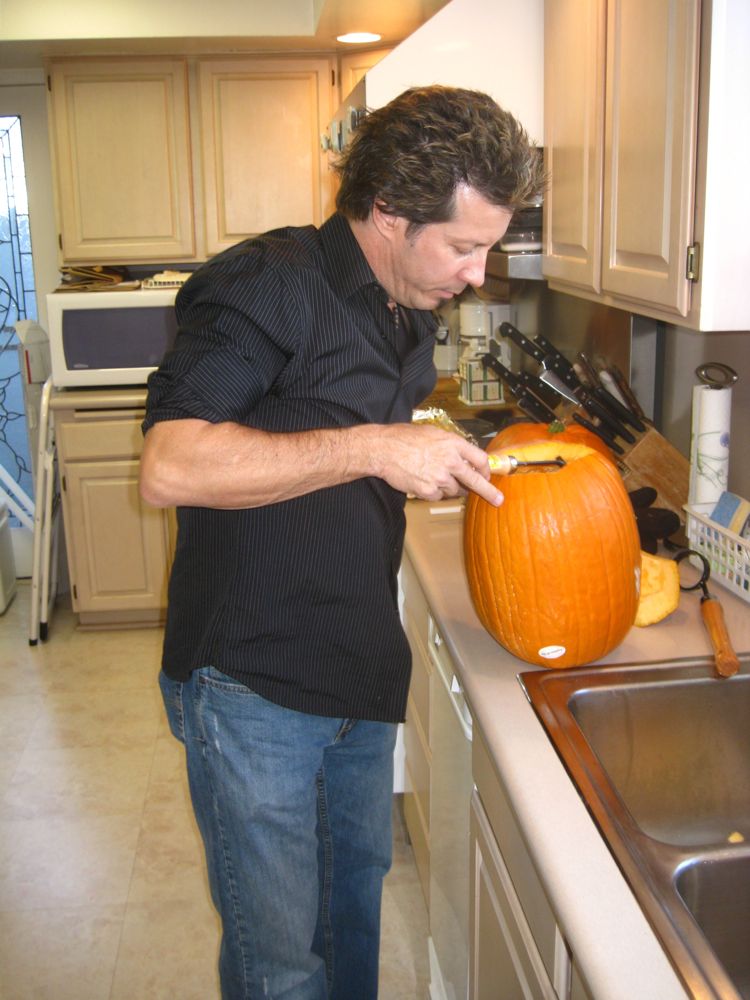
[(386, 223)]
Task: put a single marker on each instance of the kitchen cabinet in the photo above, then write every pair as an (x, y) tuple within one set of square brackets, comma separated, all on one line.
[(354, 65), (642, 100), (121, 151), (418, 755), (438, 790), (262, 162), (119, 549), (129, 135), (514, 936)]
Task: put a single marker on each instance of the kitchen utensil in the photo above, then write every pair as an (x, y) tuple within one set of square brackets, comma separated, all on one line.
[(591, 378), (627, 392), (600, 432), (558, 373), (598, 390), (596, 398), (506, 465), (712, 613), (530, 404)]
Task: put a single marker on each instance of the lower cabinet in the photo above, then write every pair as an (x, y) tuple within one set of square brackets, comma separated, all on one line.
[(505, 960), (517, 949), (119, 549)]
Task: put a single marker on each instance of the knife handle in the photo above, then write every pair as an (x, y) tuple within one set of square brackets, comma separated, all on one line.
[(609, 441), (624, 387), (597, 409), (550, 348), (533, 407), (535, 385), (510, 331), (725, 657), (617, 408)]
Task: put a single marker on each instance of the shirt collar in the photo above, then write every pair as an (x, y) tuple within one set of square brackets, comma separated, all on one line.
[(346, 264)]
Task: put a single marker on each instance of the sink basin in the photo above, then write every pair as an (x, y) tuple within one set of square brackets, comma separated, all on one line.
[(661, 757)]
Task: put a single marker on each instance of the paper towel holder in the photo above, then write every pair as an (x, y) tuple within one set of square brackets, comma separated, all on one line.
[(725, 376)]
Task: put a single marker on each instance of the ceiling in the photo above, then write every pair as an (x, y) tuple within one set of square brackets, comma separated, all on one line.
[(28, 37)]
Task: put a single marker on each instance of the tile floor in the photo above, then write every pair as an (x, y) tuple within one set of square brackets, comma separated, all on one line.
[(102, 890)]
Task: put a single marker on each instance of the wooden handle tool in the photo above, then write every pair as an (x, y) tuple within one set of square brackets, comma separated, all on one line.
[(712, 613), (504, 465)]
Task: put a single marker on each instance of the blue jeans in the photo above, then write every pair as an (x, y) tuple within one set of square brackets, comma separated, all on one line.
[(295, 814)]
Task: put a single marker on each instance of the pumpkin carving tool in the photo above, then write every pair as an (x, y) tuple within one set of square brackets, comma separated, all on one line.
[(712, 614), (506, 465)]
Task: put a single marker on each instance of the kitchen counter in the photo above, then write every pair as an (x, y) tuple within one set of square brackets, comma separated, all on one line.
[(614, 946)]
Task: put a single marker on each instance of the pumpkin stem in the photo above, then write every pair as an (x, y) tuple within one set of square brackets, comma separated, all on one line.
[(556, 427)]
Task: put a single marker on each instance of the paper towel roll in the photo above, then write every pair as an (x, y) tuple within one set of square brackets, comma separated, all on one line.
[(709, 445)]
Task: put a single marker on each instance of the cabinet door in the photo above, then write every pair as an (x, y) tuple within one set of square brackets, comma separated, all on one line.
[(504, 960), (574, 39), (650, 143), (354, 65), (118, 547), (122, 155), (262, 158)]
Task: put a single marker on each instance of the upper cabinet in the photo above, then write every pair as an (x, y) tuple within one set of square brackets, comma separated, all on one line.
[(125, 158), (121, 141), (263, 164), (354, 65), (637, 185)]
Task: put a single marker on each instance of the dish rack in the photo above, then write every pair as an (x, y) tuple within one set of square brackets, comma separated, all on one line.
[(727, 552)]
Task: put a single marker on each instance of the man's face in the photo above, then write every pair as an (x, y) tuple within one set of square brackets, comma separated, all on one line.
[(435, 264)]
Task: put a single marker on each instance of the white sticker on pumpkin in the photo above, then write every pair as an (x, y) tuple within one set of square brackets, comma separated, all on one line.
[(552, 652)]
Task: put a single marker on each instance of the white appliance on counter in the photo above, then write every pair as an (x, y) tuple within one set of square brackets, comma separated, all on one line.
[(109, 338)]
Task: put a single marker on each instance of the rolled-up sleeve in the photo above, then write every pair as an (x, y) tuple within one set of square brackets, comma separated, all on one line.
[(238, 328)]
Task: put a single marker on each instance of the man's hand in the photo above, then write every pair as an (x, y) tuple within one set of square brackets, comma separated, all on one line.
[(428, 462)]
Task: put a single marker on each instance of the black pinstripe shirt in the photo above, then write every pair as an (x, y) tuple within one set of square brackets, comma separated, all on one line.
[(287, 332)]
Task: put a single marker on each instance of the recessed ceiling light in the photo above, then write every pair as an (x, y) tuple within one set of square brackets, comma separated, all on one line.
[(358, 37)]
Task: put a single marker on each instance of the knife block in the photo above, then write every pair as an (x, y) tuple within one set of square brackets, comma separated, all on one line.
[(653, 461)]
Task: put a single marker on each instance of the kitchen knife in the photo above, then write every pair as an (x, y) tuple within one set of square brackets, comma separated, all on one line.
[(554, 362), (545, 392), (609, 441), (528, 403), (624, 387), (526, 345), (598, 390), (548, 394), (590, 373), (587, 398)]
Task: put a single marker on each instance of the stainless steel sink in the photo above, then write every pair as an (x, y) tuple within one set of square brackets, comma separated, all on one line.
[(661, 757)]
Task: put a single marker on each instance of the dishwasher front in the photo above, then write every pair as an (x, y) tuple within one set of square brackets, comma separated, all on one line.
[(451, 786)]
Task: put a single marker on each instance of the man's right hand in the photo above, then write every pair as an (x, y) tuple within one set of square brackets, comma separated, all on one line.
[(428, 462)]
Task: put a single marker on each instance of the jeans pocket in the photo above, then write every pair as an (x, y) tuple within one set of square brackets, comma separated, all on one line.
[(171, 692), (211, 677)]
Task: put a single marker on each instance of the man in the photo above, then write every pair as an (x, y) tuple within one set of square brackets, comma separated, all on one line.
[(280, 428)]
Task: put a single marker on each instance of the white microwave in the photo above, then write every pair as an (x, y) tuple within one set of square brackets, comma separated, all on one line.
[(109, 338)]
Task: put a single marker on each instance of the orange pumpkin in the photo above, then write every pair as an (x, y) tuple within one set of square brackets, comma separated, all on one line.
[(524, 432), (554, 572)]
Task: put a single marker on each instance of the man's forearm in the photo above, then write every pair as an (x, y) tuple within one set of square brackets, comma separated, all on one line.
[(228, 466)]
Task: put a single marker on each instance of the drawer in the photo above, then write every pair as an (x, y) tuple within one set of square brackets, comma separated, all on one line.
[(421, 671), (99, 435), (414, 601), (528, 887), (418, 762), (420, 842)]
